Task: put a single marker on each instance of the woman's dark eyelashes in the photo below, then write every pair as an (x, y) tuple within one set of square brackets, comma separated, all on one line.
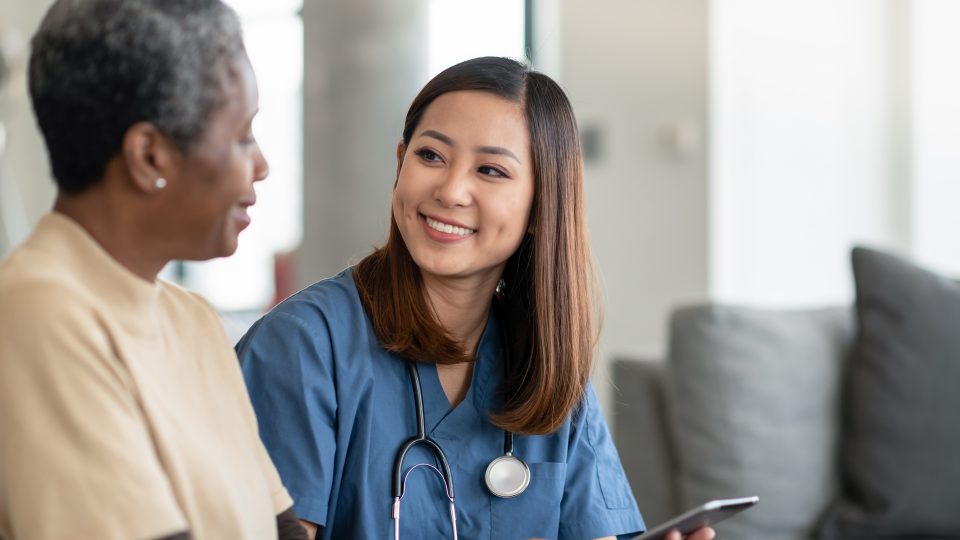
[(428, 155), (493, 171)]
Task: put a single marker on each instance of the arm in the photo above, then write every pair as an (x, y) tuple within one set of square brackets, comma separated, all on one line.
[(289, 527), (288, 370), (597, 499), (311, 529)]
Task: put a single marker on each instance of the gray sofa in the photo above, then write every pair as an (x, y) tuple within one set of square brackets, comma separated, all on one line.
[(842, 420), (748, 403)]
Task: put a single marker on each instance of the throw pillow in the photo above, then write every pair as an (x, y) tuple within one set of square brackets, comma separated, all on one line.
[(901, 440), (754, 404)]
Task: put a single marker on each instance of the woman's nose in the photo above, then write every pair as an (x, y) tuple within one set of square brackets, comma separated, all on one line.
[(453, 189), (260, 166)]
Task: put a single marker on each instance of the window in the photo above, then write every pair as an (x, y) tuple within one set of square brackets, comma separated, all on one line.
[(462, 30)]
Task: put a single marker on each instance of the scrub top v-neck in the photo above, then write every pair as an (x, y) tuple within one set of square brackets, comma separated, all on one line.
[(334, 407)]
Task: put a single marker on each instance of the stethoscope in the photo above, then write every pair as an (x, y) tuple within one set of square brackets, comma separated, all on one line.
[(506, 476)]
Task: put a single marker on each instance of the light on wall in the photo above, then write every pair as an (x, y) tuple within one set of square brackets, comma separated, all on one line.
[(463, 30)]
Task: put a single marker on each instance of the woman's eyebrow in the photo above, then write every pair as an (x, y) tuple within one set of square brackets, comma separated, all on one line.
[(437, 135), (499, 150)]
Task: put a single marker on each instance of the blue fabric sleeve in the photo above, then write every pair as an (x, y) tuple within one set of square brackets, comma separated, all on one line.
[(597, 500), (288, 367)]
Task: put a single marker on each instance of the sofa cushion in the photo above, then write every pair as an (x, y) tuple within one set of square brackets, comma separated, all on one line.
[(753, 396), (901, 442), (640, 430)]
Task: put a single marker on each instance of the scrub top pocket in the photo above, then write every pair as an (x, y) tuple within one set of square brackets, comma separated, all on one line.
[(535, 513)]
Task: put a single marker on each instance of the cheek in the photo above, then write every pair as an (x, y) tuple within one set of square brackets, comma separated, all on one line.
[(400, 199), (397, 206), (516, 212), (241, 169), (404, 196)]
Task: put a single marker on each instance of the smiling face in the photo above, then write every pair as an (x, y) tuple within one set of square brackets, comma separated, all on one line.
[(465, 186), (212, 188)]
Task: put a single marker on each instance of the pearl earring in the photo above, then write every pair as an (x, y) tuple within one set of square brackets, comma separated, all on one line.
[(160, 183)]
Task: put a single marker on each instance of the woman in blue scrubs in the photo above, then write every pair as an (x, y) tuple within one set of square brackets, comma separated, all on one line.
[(469, 334)]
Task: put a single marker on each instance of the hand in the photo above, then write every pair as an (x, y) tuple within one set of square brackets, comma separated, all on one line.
[(705, 533)]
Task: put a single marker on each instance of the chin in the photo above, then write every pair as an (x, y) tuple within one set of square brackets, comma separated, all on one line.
[(442, 268), (228, 249), (228, 241), (225, 248)]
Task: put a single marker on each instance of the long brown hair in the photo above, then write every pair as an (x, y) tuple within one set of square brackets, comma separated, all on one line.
[(547, 302)]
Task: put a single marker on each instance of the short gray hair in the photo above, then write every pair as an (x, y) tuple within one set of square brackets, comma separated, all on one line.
[(99, 66)]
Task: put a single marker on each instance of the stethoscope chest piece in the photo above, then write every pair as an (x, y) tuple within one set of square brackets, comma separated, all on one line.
[(507, 476)]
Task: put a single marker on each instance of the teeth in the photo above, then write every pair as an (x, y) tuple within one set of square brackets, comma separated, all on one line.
[(447, 228)]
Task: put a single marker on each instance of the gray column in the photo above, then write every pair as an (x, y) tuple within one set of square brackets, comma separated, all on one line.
[(364, 61)]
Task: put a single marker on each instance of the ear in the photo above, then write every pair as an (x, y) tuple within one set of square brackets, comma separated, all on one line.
[(401, 150), (148, 155)]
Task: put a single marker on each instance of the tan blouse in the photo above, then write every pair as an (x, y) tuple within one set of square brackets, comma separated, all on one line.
[(123, 413)]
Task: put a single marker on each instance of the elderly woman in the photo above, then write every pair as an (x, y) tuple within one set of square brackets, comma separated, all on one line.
[(123, 411)]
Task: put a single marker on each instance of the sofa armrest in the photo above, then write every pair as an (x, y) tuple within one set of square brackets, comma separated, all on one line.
[(640, 431)]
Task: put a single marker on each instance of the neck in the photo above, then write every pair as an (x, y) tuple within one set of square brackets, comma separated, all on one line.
[(462, 305), (113, 227)]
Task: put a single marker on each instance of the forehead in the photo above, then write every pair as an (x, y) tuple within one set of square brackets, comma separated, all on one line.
[(238, 105), (474, 116), (240, 85)]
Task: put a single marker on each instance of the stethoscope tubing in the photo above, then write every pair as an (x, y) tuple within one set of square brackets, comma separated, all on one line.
[(493, 479), (420, 438)]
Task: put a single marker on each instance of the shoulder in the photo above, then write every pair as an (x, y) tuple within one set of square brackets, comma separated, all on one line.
[(589, 403), (586, 413), (51, 334), (333, 302), (186, 305), (333, 296), (36, 294), (27, 275), (322, 314)]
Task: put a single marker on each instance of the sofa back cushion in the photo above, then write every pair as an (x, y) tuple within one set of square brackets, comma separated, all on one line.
[(901, 443), (640, 430), (753, 399)]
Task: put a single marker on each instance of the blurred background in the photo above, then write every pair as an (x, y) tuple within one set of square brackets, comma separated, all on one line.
[(735, 149)]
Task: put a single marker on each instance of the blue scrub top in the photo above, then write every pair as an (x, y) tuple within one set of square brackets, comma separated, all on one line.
[(334, 407)]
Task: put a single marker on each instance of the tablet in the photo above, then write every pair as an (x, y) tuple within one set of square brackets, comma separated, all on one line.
[(702, 516)]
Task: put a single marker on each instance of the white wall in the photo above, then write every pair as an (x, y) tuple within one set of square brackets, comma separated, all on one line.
[(809, 154), (636, 73), (834, 124), (935, 127)]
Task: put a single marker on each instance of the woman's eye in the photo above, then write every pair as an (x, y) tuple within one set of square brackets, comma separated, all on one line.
[(428, 155), (492, 171)]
